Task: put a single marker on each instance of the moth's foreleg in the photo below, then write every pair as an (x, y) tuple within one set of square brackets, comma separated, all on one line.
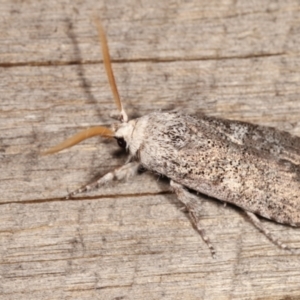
[(124, 172), (192, 204), (257, 223)]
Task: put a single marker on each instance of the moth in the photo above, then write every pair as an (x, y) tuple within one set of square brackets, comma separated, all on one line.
[(253, 167)]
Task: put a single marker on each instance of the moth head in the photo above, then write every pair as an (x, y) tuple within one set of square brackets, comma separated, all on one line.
[(124, 133), (121, 131)]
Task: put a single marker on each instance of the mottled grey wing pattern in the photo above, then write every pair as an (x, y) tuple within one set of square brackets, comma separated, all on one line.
[(250, 166), (268, 140)]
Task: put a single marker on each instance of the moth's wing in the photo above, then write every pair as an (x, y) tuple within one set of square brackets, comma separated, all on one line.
[(223, 161), (268, 140)]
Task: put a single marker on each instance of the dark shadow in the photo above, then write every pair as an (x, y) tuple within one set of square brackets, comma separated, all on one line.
[(80, 70), (93, 169)]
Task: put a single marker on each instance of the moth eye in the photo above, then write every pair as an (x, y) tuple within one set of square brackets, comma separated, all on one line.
[(121, 143)]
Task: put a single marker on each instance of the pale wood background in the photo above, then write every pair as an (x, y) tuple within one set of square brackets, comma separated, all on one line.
[(235, 59)]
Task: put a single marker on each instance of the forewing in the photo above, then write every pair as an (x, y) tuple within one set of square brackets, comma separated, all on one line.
[(253, 167)]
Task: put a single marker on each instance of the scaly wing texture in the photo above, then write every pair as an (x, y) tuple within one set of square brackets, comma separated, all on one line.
[(250, 166)]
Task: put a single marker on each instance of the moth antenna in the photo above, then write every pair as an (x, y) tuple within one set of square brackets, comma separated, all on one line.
[(108, 68), (79, 137)]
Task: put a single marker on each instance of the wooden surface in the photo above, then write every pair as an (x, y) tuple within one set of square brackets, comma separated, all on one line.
[(130, 240)]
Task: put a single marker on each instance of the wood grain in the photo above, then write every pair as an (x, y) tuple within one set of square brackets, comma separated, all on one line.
[(130, 240)]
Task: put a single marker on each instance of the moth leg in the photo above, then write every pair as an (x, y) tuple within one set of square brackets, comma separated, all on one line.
[(257, 223), (124, 172), (191, 203)]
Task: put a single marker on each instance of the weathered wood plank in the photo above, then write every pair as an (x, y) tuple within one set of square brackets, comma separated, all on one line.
[(232, 59)]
